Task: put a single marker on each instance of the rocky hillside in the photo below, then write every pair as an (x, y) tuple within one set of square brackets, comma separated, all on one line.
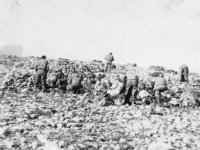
[(59, 121)]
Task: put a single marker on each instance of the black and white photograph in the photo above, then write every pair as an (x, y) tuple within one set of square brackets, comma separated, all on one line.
[(99, 74)]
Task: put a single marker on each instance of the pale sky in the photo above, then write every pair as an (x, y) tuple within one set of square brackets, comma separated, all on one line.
[(146, 32)]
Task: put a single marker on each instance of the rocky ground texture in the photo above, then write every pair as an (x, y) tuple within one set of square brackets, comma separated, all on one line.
[(58, 121)]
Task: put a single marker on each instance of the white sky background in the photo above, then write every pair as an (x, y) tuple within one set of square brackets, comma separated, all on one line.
[(145, 32)]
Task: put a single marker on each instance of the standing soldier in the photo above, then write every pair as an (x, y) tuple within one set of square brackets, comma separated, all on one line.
[(41, 68), (183, 73), (109, 59), (160, 86)]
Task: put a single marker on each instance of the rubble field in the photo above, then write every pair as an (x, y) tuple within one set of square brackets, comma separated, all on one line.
[(66, 121)]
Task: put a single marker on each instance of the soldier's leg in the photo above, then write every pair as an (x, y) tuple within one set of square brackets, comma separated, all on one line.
[(186, 74), (37, 80), (128, 93), (134, 95), (109, 66), (180, 74), (106, 67), (122, 98), (43, 81)]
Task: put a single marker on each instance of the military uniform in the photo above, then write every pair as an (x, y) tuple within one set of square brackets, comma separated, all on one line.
[(109, 59), (42, 68), (62, 81), (160, 86), (75, 84), (183, 73), (131, 88)]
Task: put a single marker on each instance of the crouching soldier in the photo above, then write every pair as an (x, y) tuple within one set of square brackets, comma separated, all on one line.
[(183, 73), (41, 68), (99, 85), (31, 81), (131, 88), (51, 80), (62, 80), (58, 80), (59, 77), (75, 84), (160, 86)]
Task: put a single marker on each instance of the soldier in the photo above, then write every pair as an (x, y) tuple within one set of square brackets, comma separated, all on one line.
[(131, 88), (109, 59), (51, 80), (58, 79), (41, 68), (75, 84), (63, 81), (183, 73), (160, 86)]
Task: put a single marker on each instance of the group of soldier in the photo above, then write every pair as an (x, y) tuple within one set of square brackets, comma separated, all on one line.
[(130, 81), (42, 69), (59, 80)]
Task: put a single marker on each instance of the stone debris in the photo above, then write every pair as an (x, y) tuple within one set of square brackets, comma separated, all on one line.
[(58, 121)]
